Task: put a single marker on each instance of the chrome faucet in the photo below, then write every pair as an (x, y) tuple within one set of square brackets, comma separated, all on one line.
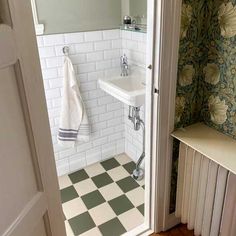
[(124, 65)]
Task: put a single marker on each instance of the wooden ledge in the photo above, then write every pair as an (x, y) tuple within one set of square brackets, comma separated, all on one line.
[(210, 143)]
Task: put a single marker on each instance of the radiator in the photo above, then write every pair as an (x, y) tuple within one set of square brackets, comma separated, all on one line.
[(206, 195)]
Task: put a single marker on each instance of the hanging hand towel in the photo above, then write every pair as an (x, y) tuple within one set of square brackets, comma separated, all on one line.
[(74, 123)]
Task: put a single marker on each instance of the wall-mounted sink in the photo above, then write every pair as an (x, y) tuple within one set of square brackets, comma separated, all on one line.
[(128, 89)]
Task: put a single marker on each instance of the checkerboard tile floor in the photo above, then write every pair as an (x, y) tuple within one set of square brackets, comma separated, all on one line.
[(102, 199)]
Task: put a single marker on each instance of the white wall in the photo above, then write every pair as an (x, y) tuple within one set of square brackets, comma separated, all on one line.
[(94, 54)]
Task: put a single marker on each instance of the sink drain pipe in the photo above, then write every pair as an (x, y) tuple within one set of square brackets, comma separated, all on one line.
[(134, 117)]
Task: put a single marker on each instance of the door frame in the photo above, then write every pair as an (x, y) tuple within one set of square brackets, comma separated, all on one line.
[(165, 80), (162, 54)]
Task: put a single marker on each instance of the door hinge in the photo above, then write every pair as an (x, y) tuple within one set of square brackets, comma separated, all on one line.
[(156, 91)]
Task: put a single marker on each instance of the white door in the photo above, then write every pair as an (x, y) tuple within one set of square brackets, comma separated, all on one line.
[(29, 196)]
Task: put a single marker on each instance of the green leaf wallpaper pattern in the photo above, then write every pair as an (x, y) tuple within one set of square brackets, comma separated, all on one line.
[(206, 84)]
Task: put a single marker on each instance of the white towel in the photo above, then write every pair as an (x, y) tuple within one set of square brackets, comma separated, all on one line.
[(74, 123)]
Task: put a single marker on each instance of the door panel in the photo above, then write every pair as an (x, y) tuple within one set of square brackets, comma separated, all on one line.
[(16, 163), (29, 200)]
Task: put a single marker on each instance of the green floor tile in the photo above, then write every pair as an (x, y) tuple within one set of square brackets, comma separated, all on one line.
[(81, 223), (127, 184), (110, 164), (102, 180), (93, 199), (141, 209), (78, 176), (130, 167), (112, 227), (120, 204), (68, 194)]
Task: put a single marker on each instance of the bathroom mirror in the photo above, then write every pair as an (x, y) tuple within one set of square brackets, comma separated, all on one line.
[(89, 15), (137, 10)]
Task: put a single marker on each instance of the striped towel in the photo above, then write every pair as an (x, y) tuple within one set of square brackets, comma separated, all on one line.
[(74, 125)]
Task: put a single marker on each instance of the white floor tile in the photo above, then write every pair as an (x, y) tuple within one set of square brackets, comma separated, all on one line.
[(64, 181), (85, 186), (92, 232), (110, 191), (123, 159), (131, 219), (94, 169), (118, 173), (102, 213), (73, 208), (136, 196), (69, 231)]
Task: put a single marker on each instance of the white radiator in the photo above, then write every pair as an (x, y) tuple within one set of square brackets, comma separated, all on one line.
[(206, 195)]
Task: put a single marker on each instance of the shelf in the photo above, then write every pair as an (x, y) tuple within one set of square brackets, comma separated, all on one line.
[(211, 143), (142, 30)]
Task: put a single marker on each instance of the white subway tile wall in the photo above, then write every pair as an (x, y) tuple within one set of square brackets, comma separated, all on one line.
[(94, 55), (134, 46)]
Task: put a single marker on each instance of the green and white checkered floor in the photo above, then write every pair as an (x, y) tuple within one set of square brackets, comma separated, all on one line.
[(102, 199)]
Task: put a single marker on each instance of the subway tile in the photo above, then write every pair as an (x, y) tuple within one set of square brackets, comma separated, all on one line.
[(114, 122), (91, 103), (102, 65), (126, 34), (114, 106), (115, 63), (106, 116), (137, 36), (132, 45), (84, 48), (95, 56), (50, 73), (53, 93), (56, 102), (40, 41), (115, 137), (54, 62), (78, 58), (95, 75), (96, 94), (87, 67), (66, 153), (103, 45), (82, 78), (56, 83), (93, 155), (93, 36), (117, 43), (100, 141), (77, 163), (63, 167), (111, 54), (97, 110), (107, 131), (84, 147), (89, 86), (46, 52), (73, 38), (52, 40), (108, 150), (98, 126), (105, 100), (111, 34)]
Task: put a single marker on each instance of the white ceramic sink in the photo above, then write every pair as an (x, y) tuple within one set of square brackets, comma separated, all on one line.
[(129, 89)]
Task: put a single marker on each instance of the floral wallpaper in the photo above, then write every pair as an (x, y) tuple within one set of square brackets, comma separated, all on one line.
[(206, 85)]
